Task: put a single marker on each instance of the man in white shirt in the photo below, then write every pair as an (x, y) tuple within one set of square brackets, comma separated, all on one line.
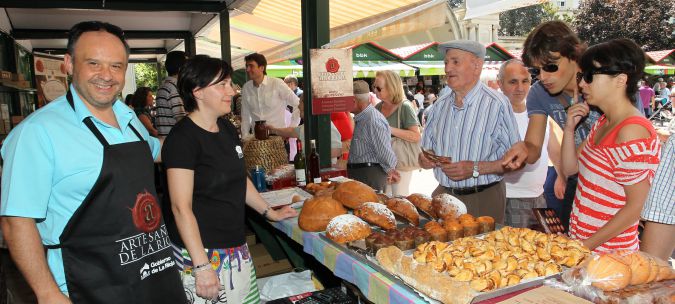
[(525, 187), (265, 98)]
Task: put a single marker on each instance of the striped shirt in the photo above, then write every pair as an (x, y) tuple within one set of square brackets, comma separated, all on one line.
[(660, 205), (483, 129), (371, 142), (169, 106), (604, 170)]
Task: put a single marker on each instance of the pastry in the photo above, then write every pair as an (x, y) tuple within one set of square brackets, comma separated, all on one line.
[(486, 223), (446, 206), (422, 202), (466, 217), (455, 230), (436, 231), (470, 228), (376, 214), (354, 193), (405, 209), (347, 228), (317, 212)]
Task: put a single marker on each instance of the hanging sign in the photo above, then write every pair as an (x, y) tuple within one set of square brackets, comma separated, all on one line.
[(50, 77), (332, 82)]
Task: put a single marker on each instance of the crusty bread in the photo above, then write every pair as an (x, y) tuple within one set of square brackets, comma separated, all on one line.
[(405, 209), (317, 212), (347, 228), (422, 202), (376, 214), (354, 193)]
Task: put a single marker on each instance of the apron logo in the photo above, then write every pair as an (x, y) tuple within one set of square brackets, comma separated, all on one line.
[(239, 152), (146, 213)]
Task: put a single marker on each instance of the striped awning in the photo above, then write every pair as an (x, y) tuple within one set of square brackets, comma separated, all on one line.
[(660, 69), (431, 68), (367, 69)]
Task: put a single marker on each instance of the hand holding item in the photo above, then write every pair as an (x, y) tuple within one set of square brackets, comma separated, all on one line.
[(207, 284), (516, 156), (281, 213), (393, 177), (458, 171), (425, 162)]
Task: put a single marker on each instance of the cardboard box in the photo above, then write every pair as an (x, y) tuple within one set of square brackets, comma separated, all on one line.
[(264, 264)]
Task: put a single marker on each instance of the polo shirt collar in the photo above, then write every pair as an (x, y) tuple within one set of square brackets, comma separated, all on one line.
[(123, 113)]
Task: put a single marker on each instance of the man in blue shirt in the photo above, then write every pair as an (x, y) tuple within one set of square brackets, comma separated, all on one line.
[(78, 181), (471, 128)]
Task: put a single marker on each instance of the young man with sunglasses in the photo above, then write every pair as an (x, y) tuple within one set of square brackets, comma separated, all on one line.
[(551, 51)]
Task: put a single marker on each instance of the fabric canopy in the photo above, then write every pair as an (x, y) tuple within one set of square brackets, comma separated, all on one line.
[(660, 69)]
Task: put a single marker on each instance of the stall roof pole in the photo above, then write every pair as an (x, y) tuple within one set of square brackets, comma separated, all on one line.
[(315, 33), (225, 51)]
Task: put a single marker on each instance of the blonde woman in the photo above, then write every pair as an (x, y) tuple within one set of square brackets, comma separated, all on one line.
[(401, 117)]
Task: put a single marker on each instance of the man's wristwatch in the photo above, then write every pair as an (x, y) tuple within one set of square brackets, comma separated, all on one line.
[(475, 169)]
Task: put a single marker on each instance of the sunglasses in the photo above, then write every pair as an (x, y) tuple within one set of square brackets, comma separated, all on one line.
[(549, 68), (587, 76)]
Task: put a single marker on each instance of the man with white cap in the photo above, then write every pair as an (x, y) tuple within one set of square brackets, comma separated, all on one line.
[(468, 132)]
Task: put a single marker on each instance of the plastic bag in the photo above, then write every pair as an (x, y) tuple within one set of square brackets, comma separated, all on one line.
[(287, 284), (619, 277)]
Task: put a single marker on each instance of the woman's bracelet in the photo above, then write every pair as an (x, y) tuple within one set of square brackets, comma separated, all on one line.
[(200, 267), (264, 213)]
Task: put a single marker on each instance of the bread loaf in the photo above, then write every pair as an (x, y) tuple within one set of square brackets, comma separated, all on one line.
[(422, 202), (354, 193), (405, 209), (317, 212), (376, 214), (609, 272), (347, 228)]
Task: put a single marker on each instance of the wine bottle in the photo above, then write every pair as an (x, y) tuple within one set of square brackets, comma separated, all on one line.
[(314, 172), (299, 162)]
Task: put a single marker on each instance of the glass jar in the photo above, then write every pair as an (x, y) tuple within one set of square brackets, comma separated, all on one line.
[(260, 130)]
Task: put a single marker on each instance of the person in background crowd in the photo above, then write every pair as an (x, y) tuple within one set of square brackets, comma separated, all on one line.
[(418, 98), (80, 169), (473, 126), (657, 86), (292, 83), (658, 237), (647, 96), (371, 159), (209, 189), (616, 163), (266, 98), (402, 121), (127, 100), (299, 133), (524, 188), (168, 103), (551, 50), (142, 102), (664, 93)]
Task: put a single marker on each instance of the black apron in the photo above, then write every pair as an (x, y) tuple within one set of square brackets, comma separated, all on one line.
[(115, 247)]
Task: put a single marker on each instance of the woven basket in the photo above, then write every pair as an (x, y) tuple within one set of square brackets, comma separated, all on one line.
[(269, 153)]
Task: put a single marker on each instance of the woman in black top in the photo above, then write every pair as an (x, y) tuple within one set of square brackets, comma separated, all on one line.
[(208, 188), (142, 101)]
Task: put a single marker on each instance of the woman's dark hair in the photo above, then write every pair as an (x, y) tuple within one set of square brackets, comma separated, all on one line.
[(551, 36), (200, 71), (622, 55), (93, 26), (127, 100), (140, 98)]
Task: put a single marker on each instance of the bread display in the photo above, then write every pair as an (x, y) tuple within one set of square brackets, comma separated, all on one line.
[(470, 228), (347, 228), (376, 214), (423, 203), (454, 229), (315, 188), (405, 209), (617, 270), (354, 193), (404, 238), (382, 197), (502, 258), (317, 212), (446, 206)]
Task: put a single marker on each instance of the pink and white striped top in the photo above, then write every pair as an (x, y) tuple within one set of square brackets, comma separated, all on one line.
[(604, 169)]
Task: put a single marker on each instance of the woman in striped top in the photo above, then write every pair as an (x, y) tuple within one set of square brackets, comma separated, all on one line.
[(616, 163)]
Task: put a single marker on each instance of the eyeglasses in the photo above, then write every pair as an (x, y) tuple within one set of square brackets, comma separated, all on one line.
[(378, 89), (549, 68), (587, 76)]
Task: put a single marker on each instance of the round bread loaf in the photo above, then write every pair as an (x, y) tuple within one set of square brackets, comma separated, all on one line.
[(422, 202), (609, 272), (405, 209), (354, 193), (376, 214), (317, 212), (347, 228)]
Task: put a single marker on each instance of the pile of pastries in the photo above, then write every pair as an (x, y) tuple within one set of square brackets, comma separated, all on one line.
[(502, 258)]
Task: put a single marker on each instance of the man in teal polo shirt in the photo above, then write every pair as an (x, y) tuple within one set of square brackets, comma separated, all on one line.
[(75, 182)]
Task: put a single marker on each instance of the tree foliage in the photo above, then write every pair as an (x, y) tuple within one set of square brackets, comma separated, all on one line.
[(146, 75), (521, 21), (644, 21)]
